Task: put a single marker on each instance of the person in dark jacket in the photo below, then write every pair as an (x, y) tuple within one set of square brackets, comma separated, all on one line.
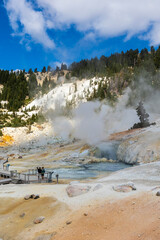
[(39, 169), (42, 172)]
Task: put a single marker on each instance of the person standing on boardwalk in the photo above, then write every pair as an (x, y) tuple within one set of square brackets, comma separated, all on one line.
[(7, 167), (42, 172), (39, 172), (4, 163)]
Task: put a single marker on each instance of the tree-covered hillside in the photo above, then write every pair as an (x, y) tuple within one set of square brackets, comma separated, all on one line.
[(117, 71), (15, 89), (116, 62)]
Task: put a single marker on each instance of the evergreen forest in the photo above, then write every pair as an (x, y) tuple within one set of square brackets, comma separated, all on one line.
[(123, 68)]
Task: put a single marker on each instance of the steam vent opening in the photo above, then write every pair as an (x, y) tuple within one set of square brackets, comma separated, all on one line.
[(107, 150)]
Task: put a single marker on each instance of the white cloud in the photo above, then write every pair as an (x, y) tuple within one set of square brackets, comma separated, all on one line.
[(102, 18), (26, 22), (107, 18), (154, 34)]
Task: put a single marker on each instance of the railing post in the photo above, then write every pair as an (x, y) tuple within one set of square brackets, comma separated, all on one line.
[(57, 176), (25, 178), (28, 178), (46, 177), (50, 176), (12, 173)]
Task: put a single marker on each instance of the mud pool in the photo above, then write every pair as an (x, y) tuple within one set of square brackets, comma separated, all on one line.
[(85, 171)]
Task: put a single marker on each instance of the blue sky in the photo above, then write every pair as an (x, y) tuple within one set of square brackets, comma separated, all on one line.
[(37, 33)]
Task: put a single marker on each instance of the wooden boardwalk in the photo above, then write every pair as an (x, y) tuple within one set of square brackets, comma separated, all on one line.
[(30, 177), (5, 181)]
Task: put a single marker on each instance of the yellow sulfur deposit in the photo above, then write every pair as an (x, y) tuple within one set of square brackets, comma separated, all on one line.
[(6, 140)]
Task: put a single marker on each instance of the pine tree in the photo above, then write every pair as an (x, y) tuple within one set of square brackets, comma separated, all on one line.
[(44, 69), (48, 68), (32, 85), (30, 71), (45, 86), (35, 70), (143, 116), (157, 58)]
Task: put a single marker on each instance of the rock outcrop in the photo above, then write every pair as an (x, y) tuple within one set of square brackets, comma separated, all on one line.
[(158, 194), (27, 197), (39, 220), (33, 196), (22, 215), (124, 187), (76, 190), (142, 147)]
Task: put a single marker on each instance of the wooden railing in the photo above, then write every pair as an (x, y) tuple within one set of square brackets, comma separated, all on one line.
[(31, 176)]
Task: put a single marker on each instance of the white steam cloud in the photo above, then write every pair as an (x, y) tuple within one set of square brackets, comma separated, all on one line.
[(93, 122)]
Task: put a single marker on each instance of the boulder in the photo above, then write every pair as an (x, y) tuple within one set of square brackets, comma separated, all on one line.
[(158, 194), (131, 184), (39, 220), (125, 187), (33, 196), (27, 197), (76, 190), (68, 222), (22, 215), (122, 189)]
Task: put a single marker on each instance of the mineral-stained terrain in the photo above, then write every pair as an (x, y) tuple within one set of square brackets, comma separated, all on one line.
[(123, 205)]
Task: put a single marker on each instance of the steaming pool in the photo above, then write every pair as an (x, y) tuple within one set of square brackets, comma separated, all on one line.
[(88, 170)]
